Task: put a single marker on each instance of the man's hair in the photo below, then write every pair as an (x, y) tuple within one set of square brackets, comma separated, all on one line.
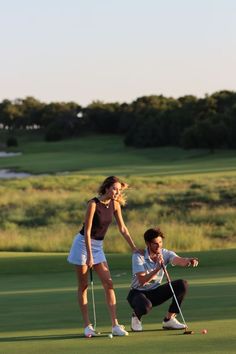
[(152, 233)]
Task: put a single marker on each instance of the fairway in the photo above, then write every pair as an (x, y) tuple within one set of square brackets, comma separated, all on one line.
[(39, 313), (105, 155)]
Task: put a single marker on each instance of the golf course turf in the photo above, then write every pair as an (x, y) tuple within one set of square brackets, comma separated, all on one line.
[(195, 199), (39, 313)]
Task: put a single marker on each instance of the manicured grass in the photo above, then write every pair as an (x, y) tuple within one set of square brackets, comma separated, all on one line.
[(39, 313), (105, 155)]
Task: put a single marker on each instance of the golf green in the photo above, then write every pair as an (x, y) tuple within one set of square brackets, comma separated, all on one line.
[(39, 313)]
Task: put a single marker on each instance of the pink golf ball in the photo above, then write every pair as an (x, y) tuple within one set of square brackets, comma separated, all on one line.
[(204, 331)]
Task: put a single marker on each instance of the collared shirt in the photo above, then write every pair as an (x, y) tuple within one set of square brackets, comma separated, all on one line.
[(143, 263)]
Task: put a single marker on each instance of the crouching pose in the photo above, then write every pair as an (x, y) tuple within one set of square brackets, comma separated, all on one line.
[(146, 289)]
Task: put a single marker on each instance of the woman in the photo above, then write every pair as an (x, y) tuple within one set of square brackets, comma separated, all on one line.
[(87, 249)]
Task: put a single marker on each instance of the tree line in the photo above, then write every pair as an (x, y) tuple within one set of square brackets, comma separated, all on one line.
[(148, 121)]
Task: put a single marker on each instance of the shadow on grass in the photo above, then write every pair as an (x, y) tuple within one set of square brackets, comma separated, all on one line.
[(45, 337), (148, 330), (63, 336)]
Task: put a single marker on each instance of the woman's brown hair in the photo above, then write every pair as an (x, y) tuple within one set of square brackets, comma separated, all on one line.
[(108, 182)]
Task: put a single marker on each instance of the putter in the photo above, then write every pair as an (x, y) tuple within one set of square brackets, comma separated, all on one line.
[(171, 287), (93, 301)]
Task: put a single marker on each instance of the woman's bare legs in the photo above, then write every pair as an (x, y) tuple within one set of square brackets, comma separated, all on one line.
[(103, 272), (82, 278)]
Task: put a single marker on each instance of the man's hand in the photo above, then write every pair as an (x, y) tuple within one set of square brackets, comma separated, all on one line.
[(160, 259), (192, 262)]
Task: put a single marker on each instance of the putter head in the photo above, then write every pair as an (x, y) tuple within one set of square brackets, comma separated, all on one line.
[(188, 332)]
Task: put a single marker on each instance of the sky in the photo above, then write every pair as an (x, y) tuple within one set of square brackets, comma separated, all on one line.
[(116, 50)]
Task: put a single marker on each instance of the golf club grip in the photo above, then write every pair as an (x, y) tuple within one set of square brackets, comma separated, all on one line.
[(91, 274)]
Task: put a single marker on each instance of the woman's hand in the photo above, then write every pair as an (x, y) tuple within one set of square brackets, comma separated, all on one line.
[(138, 250), (90, 261)]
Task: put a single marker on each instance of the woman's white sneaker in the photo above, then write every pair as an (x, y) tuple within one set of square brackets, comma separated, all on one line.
[(136, 324), (173, 323), (119, 330), (89, 331)]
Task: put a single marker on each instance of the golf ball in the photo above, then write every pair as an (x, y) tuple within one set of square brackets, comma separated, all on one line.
[(204, 331), (110, 336)]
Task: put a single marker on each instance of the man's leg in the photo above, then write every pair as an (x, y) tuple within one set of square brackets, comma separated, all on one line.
[(163, 293), (139, 302), (141, 305)]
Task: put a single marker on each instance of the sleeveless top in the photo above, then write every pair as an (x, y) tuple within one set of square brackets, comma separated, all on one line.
[(101, 220)]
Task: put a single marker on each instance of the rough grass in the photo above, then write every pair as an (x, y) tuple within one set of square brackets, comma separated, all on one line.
[(190, 194), (44, 213)]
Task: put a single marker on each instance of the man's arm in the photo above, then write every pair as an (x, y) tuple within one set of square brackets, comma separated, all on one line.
[(144, 277), (185, 262)]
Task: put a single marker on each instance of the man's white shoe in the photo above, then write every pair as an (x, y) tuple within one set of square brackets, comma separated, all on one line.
[(119, 330), (136, 324), (173, 323), (89, 331)]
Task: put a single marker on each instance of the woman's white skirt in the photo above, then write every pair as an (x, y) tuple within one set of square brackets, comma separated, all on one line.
[(78, 252)]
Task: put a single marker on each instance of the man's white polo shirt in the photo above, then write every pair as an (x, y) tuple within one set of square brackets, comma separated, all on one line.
[(143, 263)]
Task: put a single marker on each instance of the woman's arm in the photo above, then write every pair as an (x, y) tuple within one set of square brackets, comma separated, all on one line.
[(87, 231), (122, 227)]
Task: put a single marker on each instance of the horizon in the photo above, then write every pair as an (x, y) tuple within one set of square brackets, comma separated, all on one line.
[(114, 102)]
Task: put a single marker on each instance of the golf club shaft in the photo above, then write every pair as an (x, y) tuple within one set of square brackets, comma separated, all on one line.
[(93, 301), (171, 287)]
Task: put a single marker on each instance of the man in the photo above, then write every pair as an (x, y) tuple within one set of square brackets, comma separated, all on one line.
[(146, 289)]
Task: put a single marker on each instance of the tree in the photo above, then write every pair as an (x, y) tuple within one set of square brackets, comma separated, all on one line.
[(11, 114), (103, 117), (231, 127), (205, 134), (32, 112)]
